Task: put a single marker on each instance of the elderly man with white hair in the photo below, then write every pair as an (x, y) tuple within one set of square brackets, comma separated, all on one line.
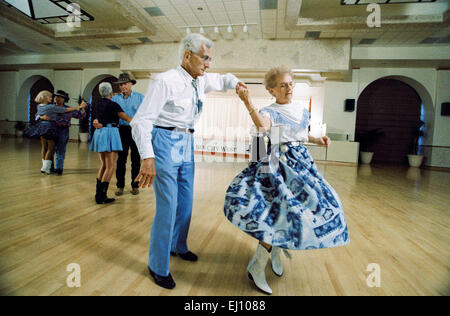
[(163, 130), (106, 141)]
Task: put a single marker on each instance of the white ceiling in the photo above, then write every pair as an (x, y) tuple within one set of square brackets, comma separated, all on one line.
[(120, 22)]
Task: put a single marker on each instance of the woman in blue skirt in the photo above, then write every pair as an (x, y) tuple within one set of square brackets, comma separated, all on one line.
[(282, 200), (106, 141), (47, 130)]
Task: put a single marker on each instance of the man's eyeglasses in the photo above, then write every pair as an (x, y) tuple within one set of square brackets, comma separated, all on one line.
[(205, 58)]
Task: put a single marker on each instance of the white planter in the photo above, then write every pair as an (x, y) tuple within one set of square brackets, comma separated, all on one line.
[(366, 157), (84, 137), (415, 160)]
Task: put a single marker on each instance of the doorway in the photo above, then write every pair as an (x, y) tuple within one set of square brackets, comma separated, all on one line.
[(395, 108), (40, 85)]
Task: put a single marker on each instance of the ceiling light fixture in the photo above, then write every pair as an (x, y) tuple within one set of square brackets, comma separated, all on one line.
[(49, 11), (216, 27)]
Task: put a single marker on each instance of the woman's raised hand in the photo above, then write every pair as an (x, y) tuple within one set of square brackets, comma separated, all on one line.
[(244, 95)]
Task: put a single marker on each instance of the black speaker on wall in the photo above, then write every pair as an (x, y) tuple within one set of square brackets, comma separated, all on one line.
[(445, 109), (349, 105)]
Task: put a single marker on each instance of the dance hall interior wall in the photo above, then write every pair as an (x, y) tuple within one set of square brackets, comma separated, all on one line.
[(16, 85), (327, 100), (440, 150), (430, 84)]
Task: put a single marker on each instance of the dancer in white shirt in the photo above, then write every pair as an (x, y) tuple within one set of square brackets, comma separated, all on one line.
[(162, 129)]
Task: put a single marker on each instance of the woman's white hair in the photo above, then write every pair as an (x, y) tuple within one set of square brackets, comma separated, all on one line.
[(193, 42), (105, 89)]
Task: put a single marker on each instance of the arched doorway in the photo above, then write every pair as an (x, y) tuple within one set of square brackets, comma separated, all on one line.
[(40, 85), (26, 107), (395, 108), (92, 95)]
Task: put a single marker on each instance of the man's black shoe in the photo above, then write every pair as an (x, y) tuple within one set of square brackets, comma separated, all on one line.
[(165, 282), (189, 256)]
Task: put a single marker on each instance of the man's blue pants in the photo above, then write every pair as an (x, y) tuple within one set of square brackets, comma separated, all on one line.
[(174, 189), (61, 145)]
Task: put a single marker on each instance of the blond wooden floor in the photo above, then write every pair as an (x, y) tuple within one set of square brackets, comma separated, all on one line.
[(397, 218)]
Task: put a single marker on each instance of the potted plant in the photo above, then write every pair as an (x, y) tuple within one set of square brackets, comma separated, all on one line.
[(84, 130), (414, 159), (84, 124), (20, 127), (366, 141)]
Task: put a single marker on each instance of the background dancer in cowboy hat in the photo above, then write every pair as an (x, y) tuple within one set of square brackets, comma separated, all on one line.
[(129, 101), (47, 130), (63, 123)]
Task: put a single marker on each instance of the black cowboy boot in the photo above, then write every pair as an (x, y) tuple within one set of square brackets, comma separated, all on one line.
[(99, 193), (104, 191)]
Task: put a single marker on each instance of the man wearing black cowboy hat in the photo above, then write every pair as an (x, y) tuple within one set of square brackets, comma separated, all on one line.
[(63, 122), (129, 101)]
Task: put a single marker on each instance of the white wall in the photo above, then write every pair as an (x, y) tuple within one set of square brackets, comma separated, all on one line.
[(8, 84), (439, 153), (334, 116), (442, 123)]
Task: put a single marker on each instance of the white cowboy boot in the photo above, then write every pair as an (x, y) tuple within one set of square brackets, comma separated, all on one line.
[(256, 269), (43, 166), (277, 266), (47, 166)]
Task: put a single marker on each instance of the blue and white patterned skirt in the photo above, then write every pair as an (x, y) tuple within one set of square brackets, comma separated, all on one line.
[(106, 139), (291, 207)]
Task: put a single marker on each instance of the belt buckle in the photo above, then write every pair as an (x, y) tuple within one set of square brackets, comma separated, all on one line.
[(182, 130)]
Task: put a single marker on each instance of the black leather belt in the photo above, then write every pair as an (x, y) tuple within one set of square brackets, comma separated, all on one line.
[(177, 129)]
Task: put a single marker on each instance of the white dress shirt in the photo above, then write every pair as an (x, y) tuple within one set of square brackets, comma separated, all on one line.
[(171, 101)]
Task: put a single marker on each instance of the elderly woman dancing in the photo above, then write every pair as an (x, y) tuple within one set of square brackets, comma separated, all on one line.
[(106, 141), (284, 202)]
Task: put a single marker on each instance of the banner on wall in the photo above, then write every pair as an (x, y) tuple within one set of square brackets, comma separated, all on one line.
[(220, 149)]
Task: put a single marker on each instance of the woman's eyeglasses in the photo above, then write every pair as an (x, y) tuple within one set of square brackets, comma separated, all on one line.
[(284, 85)]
